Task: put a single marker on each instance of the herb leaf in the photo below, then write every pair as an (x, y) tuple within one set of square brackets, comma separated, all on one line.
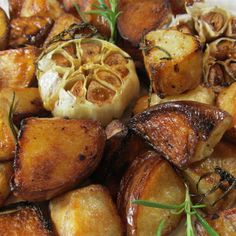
[(157, 205), (160, 227)]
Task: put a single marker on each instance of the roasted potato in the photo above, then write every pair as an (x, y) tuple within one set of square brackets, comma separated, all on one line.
[(17, 67), (63, 22), (199, 94), (15, 8), (53, 155), (226, 100), (173, 61), (224, 157), (183, 132), (4, 29), (88, 211), (28, 103), (48, 8), (142, 16), (29, 30), (6, 171), (23, 220), (223, 222), (153, 179)]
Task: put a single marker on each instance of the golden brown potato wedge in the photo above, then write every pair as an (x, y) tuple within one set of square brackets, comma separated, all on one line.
[(23, 220), (88, 211), (29, 30), (142, 16), (183, 132), (224, 157), (17, 67), (63, 22), (224, 223), (28, 103), (47, 8), (153, 179), (53, 155), (226, 101), (173, 61), (4, 29), (6, 171), (199, 94)]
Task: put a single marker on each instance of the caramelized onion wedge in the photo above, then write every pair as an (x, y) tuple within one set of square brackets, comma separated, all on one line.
[(183, 132), (87, 78)]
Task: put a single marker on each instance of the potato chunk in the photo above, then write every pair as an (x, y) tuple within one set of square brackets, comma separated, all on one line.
[(53, 155), (173, 61), (224, 157), (183, 132), (88, 211), (23, 220), (17, 67), (4, 29), (223, 222), (227, 102), (153, 179), (6, 171)]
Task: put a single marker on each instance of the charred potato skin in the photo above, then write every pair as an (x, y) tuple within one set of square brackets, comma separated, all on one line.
[(4, 29), (133, 185), (25, 219), (223, 223), (83, 166), (190, 123)]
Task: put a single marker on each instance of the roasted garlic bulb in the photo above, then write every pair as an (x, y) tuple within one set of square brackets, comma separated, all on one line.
[(220, 63), (231, 31), (87, 78)]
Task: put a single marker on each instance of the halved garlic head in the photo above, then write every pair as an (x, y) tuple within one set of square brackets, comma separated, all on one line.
[(88, 79)]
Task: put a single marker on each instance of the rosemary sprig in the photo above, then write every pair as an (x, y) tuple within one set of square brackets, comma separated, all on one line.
[(160, 227), (187, 207), (110, 14), (10, 116)]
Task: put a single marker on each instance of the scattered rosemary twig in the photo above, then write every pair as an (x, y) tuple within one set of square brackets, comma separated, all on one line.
[(147, 48), (188, 208), (110, 14), (160, 227), (10, 116)]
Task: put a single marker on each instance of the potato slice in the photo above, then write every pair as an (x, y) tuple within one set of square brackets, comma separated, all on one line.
[(223, 157), (6, 171), (223, 222), (23, 219), (226, 101), (48, 8), (17, 67), (131, 23), (88, 211), (53, 155), (183, 132), (153, 179), (167, 56), (199, 94), (4, 29)]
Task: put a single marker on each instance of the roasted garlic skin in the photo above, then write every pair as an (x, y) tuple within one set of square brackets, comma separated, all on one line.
[(87, 78)]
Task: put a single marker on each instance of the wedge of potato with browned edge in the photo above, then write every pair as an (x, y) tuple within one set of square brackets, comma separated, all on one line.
[(31, 30), (199, 94), (17, 67), (6, 171), (28, 103), (142, 16), (183, 132), (226, 101), (48, 8), (53, 155), (62, 23), (224, 157), (23, 220), (173, 61), (150, 178), (4, 29), (88, 211), (223, 222)]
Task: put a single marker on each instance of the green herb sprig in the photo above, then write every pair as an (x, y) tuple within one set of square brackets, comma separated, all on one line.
[(188, 208), (110, 14), (10, 116)]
